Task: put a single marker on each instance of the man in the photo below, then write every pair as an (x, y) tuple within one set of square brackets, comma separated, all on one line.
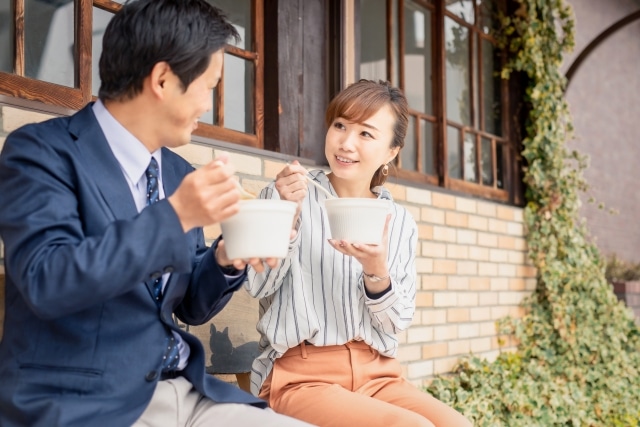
[(103, 232)]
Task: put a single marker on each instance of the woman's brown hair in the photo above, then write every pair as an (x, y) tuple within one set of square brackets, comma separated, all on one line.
[(363, 99)]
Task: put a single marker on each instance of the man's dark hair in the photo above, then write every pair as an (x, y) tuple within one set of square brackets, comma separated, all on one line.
[(183, 33)]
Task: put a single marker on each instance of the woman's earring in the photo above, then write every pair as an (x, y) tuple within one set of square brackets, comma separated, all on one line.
[(385, 170)]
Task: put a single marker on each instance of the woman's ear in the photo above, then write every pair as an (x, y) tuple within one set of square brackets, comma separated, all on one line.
[(393, 152)]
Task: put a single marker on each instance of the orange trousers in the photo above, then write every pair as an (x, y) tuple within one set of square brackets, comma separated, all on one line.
[(351, 385)]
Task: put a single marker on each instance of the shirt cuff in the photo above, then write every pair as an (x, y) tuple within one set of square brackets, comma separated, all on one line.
[(377, 295), (231, 271)]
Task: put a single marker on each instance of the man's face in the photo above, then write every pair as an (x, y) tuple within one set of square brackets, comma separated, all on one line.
[(182, 109)]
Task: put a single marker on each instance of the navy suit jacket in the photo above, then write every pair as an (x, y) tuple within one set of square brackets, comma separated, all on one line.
[(83, 337)]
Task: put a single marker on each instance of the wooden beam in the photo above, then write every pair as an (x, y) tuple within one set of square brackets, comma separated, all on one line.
[(37, 90), (258, 87), (227, 135), (108, 5), (241, 53), (271, 104), (83, 48), (439, 92), (18, 59)]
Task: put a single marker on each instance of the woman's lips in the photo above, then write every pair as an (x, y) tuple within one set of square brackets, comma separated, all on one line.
[(345, 161)]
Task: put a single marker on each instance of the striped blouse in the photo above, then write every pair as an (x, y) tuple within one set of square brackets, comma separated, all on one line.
[(317, 294)]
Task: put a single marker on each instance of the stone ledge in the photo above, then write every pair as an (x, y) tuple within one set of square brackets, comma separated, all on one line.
[(13, 118)]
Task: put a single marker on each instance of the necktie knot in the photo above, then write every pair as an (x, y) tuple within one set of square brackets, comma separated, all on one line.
[(152, 181)]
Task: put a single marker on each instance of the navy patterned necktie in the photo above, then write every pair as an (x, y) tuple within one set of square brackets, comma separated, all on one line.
[(171, 356), (152, 182), (152, 197)]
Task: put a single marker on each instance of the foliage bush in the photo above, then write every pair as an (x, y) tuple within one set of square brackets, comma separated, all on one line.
[(577, 360)]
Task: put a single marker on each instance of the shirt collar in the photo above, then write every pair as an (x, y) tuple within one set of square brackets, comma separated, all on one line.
[(132, 155), (321, 177)]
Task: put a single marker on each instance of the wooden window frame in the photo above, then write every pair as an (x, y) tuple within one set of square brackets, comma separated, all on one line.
[(510, 159), (17, 85), (475, 77)]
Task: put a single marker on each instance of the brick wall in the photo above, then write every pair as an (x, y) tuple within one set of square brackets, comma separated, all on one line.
[(471, 261)]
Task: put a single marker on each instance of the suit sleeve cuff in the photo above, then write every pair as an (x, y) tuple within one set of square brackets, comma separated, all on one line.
[(230, 271)]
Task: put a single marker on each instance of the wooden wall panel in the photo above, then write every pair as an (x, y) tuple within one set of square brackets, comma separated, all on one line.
[(296, 77), (316, 68)]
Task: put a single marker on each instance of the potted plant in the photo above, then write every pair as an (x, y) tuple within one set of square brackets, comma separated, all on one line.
[(624, 276)]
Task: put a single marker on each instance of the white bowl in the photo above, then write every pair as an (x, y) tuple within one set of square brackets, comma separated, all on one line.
[(357, 220), (260, 229)]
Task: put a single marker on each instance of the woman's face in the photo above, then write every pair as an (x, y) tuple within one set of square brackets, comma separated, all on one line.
[(356, 150)]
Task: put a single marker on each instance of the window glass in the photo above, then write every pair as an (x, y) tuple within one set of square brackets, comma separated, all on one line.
[(456, 83), (239, 74), (457, 72), (408, 152), (239, 13), (488, 12), (100, 20), (6, 36), (211, 117), (462, 9), (418, 70), (492, 82), (238, 89), (453, 152), (486, 167), (470, 159), (373, 40), (428, 150), (49, 41)]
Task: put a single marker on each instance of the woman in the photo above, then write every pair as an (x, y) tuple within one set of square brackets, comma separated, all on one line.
[(330, 311)]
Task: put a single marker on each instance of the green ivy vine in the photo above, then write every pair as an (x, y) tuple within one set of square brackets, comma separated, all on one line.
[(577, 362)]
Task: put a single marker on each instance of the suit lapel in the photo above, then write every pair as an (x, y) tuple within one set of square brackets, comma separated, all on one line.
[(170, 178), (104, 167), (170, 182)]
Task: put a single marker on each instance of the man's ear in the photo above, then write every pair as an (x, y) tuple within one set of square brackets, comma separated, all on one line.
[(157, 79)]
